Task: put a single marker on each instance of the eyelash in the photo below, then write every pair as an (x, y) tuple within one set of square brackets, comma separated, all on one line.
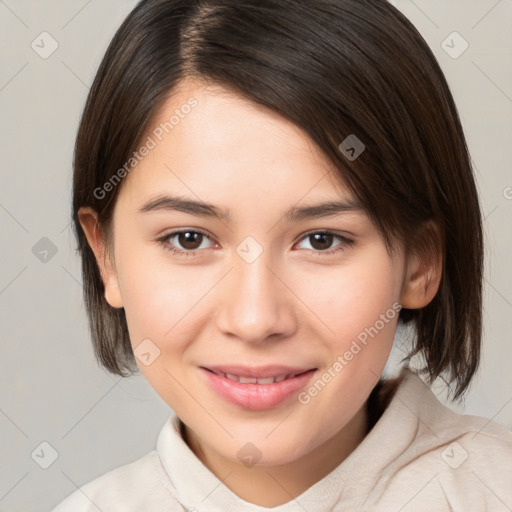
[(164, 241)]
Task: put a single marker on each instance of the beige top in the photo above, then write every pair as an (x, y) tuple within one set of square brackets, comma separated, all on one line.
[(419, 456)]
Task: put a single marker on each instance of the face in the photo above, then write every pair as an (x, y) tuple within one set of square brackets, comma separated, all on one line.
[(258, 285)]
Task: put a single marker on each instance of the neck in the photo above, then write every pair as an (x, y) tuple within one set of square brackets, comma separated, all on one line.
[(273, 486)]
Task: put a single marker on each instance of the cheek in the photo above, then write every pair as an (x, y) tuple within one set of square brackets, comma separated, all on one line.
[(160, 301), (350, 299), (157, 295), (360, 305)]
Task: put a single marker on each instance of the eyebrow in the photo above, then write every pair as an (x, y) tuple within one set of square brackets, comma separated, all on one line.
[(202, 209)]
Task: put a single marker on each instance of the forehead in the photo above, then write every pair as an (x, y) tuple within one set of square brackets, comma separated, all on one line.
[(210, 142)]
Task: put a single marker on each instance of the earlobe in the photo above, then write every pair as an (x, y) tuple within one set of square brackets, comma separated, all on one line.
[(423, 273), (89, 222)]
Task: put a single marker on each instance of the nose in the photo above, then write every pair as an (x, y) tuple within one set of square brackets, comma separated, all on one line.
[(256, 302)]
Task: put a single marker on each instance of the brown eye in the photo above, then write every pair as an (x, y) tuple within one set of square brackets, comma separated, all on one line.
[(189, 240), (321, 241), (186, 242)]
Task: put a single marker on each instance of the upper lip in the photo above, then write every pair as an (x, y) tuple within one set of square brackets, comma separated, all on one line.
[(259, 372)]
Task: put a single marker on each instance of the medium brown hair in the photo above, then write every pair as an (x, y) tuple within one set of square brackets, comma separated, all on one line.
[(334, 68)]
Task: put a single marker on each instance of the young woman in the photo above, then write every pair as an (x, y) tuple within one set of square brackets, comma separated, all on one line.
[(264, 191)]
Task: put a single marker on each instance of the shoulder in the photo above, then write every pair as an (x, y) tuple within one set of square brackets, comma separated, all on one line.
[(462, 461), (468, 466), (139, 485), (476, 467)]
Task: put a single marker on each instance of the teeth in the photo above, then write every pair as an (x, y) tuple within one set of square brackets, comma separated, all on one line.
[(267, 380), (253, 380), (248, 380)]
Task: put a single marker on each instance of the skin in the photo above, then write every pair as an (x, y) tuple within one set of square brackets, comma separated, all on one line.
[(292, 305)]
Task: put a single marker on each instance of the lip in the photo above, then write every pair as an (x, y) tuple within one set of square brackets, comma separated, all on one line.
[(257, 397)]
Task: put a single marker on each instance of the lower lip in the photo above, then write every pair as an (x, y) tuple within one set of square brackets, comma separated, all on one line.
[(256, 397)]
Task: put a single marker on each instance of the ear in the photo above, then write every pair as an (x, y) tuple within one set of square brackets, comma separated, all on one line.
[(89, 221), (423, 269)]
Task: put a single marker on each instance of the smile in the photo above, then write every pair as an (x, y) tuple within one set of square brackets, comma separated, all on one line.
[(256, 393), (255, 380)]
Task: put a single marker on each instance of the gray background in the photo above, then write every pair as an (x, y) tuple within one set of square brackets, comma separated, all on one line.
[(51, 387)]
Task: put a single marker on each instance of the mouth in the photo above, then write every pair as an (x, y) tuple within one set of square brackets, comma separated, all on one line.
[(258, 380), (256, 389)]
